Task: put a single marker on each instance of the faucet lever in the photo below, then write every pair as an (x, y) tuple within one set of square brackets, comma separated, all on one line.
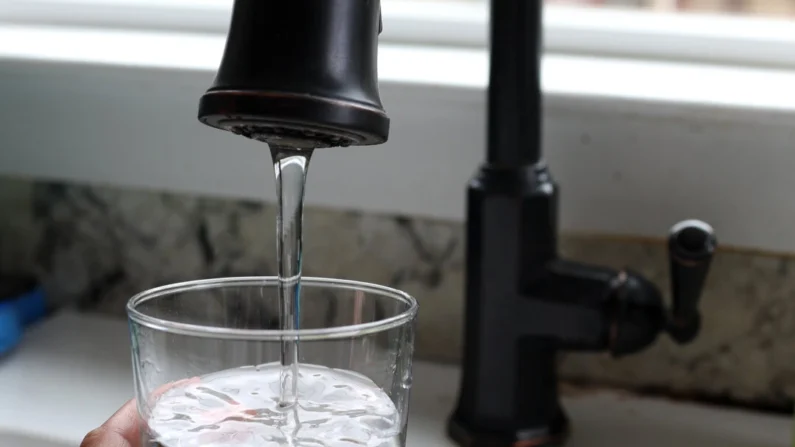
[(691, 246)]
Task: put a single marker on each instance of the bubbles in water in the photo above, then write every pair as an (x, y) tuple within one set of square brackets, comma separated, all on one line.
[(407, 380), (242, 407)]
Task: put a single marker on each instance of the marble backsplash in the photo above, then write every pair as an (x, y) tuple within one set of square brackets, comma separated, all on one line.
[(94, 247)]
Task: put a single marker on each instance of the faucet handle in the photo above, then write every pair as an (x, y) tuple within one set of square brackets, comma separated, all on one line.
[(691, 246)]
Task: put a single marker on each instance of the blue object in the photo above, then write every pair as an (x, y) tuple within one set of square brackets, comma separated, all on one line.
[(31, 306), (10, 327), (18, 312)]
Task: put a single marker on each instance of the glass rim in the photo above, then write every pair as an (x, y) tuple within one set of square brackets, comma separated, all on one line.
[(330, 333)]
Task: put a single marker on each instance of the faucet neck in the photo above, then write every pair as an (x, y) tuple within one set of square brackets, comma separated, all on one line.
[(514, 104)]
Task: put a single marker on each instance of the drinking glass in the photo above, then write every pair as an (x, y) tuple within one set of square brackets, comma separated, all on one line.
[(207, 364)]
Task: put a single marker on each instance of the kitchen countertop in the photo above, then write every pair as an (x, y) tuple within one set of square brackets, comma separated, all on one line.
[(73, 371)]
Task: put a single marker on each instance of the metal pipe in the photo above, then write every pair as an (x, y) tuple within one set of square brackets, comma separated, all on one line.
[(514, 104)]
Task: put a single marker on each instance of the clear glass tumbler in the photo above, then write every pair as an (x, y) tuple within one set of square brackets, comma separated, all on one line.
[(207, 364)]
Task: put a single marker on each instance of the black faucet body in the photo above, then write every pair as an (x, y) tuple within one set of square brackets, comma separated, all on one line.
[(524, 304), (302, 73)]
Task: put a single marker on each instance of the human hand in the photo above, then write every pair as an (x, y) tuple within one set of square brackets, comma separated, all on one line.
[(121, 430)]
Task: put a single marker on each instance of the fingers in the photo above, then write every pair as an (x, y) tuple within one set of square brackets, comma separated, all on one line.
[(121, 430), (101, 437)]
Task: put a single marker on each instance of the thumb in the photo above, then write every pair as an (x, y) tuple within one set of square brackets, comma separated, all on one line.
[(102, 437), (121, 430)]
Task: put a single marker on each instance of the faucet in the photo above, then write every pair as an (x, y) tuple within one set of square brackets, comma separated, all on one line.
[(303, 74)]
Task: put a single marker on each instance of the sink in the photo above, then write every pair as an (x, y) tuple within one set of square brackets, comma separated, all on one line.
[(613, 419), (602, 418), (77, 358), (19, 440)]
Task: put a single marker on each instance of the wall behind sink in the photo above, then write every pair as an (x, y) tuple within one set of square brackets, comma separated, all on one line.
[(93, 247)]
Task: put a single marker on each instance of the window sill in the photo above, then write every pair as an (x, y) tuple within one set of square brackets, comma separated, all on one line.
[(636, 144)]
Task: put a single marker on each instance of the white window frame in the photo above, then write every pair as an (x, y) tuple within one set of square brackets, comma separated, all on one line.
[(650, 117), (747, 41)]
